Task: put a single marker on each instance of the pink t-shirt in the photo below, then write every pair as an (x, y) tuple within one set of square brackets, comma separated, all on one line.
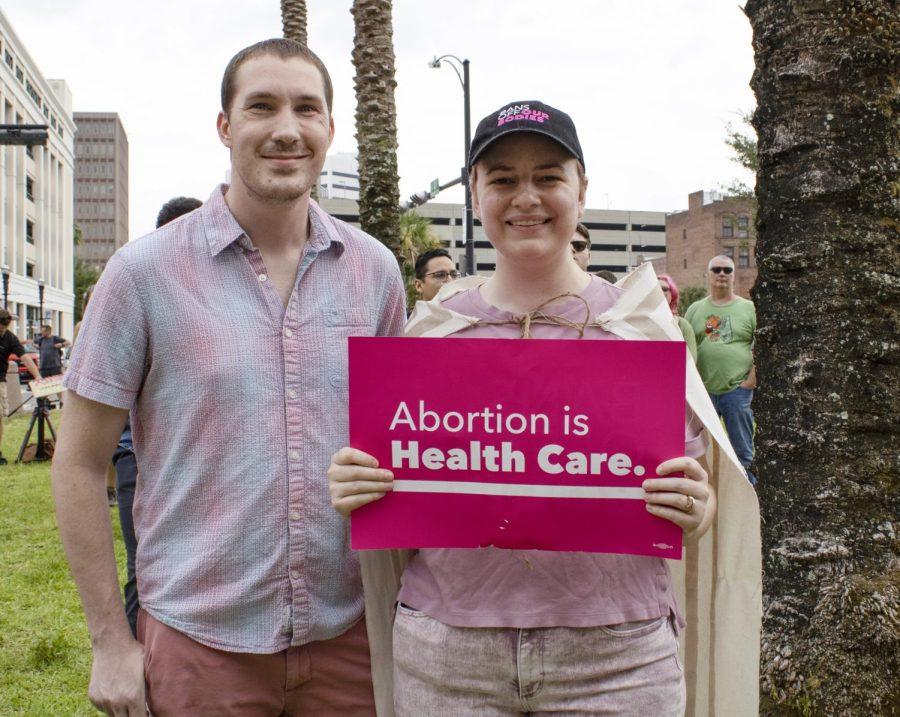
[(495, 587)]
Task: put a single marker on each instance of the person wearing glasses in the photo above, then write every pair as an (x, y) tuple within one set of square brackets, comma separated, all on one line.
[(581, 246), (724, 325), (434, 269)]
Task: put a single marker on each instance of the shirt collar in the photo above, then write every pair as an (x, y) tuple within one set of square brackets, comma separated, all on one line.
[(222, 229)]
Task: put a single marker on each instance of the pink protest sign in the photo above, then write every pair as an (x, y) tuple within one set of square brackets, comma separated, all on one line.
[(517, 443)]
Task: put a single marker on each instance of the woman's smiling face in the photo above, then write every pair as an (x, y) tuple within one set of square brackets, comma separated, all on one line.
[(528, 192)]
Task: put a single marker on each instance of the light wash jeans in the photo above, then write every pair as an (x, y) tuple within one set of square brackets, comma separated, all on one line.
[(628, 669), (735, 409)]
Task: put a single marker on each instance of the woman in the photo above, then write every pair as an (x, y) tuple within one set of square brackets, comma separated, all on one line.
[(495, 631), (670, 290)]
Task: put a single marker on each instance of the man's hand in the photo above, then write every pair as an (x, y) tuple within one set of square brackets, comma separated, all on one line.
[(355, 479), (117, 680), (750, 381), (688, 502), (87, 437)]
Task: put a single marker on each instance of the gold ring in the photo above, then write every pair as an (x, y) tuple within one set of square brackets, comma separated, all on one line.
[(689, 508)]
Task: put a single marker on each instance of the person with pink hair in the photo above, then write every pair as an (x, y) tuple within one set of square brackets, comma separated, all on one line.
[(670, 291)]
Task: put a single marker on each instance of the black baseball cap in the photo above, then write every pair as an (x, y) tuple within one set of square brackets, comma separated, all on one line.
[(527, 116)]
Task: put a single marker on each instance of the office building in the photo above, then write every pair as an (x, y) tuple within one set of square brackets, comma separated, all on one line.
[(36, 194), (101, 186), (340, 177), (620, 239)]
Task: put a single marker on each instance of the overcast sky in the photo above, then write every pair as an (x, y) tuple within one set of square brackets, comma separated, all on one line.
[(650, 84)]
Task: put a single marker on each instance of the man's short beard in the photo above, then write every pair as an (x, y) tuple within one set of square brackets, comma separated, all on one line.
[(276, 194)]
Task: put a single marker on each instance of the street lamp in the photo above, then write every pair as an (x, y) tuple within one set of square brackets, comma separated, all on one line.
[(40, 303), (463, 65), (5, 271)]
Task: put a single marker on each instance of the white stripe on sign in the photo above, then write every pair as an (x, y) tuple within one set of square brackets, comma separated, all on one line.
[(519, 489)]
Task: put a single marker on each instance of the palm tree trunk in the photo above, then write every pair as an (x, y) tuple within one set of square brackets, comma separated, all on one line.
[(376, 121), (293, 20), (828, 303)]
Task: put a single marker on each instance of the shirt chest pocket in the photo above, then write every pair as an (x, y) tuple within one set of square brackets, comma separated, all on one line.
[(342, 322)]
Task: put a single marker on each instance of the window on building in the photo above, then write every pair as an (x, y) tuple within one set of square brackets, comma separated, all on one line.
[(684, 234), (727, 227), (684, 263), (728, 251), (29, 231), (29, 188), (29, 269), (29, 88), (29, 150), (743, 225), (744, 257), (8, 58)]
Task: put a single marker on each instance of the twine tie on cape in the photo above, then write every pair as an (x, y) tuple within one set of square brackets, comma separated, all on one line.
[(538, 316)]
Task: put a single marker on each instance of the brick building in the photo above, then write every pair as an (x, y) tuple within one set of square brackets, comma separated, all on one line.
[(712, 225)]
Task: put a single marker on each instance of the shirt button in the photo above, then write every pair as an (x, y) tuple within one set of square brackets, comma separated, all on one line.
[(295, 515), (288, 333), (262, 277), (295, 455), (292, 393), (295, 574)]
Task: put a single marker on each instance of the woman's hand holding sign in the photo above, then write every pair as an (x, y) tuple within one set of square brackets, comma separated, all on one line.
[(689, 502), (354, 479)]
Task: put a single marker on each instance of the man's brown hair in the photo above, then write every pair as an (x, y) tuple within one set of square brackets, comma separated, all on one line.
[(280, 47), (583, 230)]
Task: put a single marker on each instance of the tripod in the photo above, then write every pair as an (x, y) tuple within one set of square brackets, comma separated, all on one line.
[(41, 416)]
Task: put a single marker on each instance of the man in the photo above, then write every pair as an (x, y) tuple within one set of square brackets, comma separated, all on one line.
[(10, 344), (606, 275), (581, 246), (251, 602), (50, 348), (433, 269), (724, 325), (176, 207), (124, 459)]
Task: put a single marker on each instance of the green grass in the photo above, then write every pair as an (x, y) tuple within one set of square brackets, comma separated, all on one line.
[(45, 653)]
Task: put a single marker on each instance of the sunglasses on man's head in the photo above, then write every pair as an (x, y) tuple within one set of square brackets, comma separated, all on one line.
[(721, 269), (579, 245), (443, 274)]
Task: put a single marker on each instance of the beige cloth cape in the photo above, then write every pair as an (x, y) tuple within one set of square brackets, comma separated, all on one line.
[(719, 582)]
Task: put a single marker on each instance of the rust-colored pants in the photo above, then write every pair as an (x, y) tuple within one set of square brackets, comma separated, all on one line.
[(331, 677)]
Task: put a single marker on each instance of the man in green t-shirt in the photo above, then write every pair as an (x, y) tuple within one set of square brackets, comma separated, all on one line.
[(724, 325)]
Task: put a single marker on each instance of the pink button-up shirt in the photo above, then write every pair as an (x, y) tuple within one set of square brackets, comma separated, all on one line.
[(237, 406)]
